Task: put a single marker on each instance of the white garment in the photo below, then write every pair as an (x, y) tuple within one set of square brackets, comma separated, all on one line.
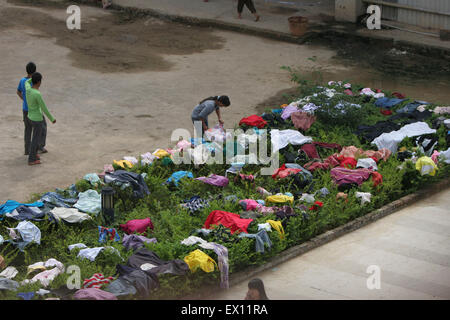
[(367, 163), (9, 273), (1, 239), (54, 263), (147, 266), (281, 139), (445, 156), (192, 240), (29, 232), (365, 197), (71, 215), (77, 245), (369, 92), (133, 160), (44, 277), (308, 198), (266, 226), (42, 292), (392, 139), (147, 158), (90, 253)]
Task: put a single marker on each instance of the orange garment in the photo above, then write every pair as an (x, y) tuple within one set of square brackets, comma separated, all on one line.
[(377, 178)]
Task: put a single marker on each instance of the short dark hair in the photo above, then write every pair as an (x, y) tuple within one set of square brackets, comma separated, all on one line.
[(224, 100), (36, 78), (31, 68)]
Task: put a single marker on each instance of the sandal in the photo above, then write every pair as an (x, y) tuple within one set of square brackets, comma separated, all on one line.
[(34, 162), (257, 19)]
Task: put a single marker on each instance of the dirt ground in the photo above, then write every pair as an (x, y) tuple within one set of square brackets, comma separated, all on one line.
[(120, 86)]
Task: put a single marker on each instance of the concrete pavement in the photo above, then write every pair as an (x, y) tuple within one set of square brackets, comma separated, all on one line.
[(274, 15), (411, 247)]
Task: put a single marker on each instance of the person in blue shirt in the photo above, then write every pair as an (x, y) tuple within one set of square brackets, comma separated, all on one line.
[(30, 68), (21, 90)]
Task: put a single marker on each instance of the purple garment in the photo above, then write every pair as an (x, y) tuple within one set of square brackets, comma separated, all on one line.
[(134, 241), (288, 111), (214, 180), (93, 294), (347, 176)]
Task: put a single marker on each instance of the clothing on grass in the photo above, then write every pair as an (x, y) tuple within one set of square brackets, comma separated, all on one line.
[(121, 287), (227, 219), (281, 139), (386, 102), (253, 121), (9, 273), (178, 175), (277, 225), (56, 200), (222, 256), (11, 205), (89, 201), (107, 234), (93, 294), (137, 225), (365, 197), (426, 165), (70, 215), (280, 198), (344, 176), (149, 261), (311, 148), (195, 204), (214, 180), (261, 238), (137, 181), (26, 213), (96, 281), (135, 242), (8, 284), (367, 163), (302, 120)]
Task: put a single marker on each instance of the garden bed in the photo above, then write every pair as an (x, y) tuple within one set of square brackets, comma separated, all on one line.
[(173, 223)]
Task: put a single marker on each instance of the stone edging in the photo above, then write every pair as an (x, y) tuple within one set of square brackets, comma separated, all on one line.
[(326, 237)]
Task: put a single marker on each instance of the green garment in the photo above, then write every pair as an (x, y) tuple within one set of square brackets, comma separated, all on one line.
[(36, 104)]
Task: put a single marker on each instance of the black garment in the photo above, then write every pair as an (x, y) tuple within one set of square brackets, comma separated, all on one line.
[(427, 145), (412, 117), (142, 281), (369, 133), (248, 3), (274, 120), (402, 156), (284, 214), (63, 292), (136, 180), (43, 139), (143, 256), (27, 132), (35, 140)]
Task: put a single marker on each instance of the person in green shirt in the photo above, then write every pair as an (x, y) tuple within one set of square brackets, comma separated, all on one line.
[(36, 109)]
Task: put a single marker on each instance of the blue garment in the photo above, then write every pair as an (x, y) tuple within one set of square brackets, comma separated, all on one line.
[(57, 200), (26, 295), (411, 107), (277, 111), (104, 232), (27, 213), (21, 89), (177, 176), (261, 238), (10, 205), (388, 102)]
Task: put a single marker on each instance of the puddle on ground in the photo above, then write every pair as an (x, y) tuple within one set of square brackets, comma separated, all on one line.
[(119, 42)]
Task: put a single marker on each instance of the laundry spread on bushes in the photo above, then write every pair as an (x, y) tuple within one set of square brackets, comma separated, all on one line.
[(339, 157)]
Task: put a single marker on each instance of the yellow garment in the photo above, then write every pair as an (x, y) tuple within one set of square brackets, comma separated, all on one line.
[(280, 198), (277, 226), (198, 258), (426, 166), (160, 153), (123, 163), (35, 268)]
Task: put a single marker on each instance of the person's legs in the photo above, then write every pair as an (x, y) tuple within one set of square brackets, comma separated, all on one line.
[(27, 132), (43, 137), (36, 135), (240, 7), (251, 7)]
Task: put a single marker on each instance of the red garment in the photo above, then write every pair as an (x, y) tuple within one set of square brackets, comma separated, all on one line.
[(347, 162), (375, 159), (311, 151), (316, 206), (283, 172), (227, 219), (137, 225), (386, 112), (96, 281), (254, 121), (330, 162), (377, 178), (399, 95)]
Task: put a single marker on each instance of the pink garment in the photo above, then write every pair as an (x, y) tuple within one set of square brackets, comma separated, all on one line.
[(93, 294), (46, 276), (107, 168), (249, 204), (215, 180), (442, 110), (248, 177), (435, 156), (183, 144), (354, 152), (302, 120), (137, 225), (342, 175), (348, 92)]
